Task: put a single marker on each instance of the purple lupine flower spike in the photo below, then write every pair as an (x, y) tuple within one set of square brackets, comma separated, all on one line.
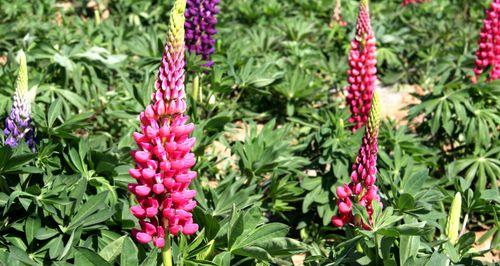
[(18, 123), (200, 28)]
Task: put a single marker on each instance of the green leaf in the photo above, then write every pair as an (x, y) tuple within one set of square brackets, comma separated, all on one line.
[(70, 243), (406, 202), (408, 248), (129, 253), (56, 247), (93, 204), (31, 226), (112, 250), (236, 227), (281, 246), (152, 258), (99, 217), (92, 257), (20, 255), (413, 229), (54, 111), (223, 259), (253, 252), (414, 182), (45, 233), (261, 234), (77, 161), (438, 259)]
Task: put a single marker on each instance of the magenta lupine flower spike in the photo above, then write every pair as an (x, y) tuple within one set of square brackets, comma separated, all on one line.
[(488, 53), (200, 28), (18, 125), (362, 73), (362, 189), (163, 158), (408, 2)]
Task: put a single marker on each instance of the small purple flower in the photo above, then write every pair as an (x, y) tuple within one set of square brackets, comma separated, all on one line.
[(18, 123), (200, 28)]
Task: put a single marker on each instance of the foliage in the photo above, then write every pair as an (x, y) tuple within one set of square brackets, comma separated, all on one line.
[(273, 139)]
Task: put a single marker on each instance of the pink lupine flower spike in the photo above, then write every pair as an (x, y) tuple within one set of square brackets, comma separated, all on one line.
[(362, 72), (362, 189), (163, 158), (488, 53)]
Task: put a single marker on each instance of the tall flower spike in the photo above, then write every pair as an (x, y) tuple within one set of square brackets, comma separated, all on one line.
[(488, 53), (200, 28), (362, 189), (362, 73), (163, 158), (18, 123)]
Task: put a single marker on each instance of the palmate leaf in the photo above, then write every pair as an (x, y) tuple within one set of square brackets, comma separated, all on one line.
[(296, 86), (481, 128), (269, 149), (482, 167), (441, 108)]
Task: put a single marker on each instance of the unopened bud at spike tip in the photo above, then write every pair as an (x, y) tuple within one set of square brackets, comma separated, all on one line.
[(373, 123)]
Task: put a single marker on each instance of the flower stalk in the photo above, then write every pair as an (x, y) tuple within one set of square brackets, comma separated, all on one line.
[(166, 253)]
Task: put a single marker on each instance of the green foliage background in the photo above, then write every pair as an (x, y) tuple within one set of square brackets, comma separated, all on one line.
[(272, 143)]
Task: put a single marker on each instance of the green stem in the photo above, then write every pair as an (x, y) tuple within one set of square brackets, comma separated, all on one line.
[(167, 253)]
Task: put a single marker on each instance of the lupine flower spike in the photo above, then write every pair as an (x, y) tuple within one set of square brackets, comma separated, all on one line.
[(362, 189), (408, 2), (362, 72), (18, 125), (200, 28), (163, 158), (336, 18), (488, 53)]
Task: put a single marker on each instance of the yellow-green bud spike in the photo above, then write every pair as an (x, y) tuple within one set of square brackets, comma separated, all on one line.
[(364, 3), (176, 27), (453, 224), (373, 122), (22, 78)]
